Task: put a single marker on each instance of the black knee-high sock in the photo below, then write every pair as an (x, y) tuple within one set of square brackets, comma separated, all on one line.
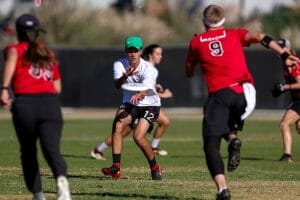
[(117, 160), (153, 164)]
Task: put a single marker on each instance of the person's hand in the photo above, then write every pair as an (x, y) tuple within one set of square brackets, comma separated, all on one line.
[(291, 60), (5, 99), (168, 93), (130, 72), (159, 88), (278, 89), (138, 97)]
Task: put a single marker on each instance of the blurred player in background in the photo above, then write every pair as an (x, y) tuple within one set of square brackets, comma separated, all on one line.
[(292, 113), (153, 54), (141, 107), (231, 99), (31, 69)]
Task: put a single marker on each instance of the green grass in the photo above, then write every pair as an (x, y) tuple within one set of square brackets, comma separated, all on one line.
[(260, 175)]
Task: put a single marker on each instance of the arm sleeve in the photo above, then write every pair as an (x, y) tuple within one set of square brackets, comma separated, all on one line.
[(56, 73), (150, 80), (242, 33), (118, 70), (296, 70)]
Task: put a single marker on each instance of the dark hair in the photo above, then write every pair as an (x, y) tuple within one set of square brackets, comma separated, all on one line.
[(149, 50), (37, 54)]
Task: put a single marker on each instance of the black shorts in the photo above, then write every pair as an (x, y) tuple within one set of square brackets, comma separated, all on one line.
[(222, 112), (295, 105), (150, 113)]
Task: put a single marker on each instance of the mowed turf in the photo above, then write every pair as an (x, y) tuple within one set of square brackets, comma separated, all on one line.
[(260, 175)]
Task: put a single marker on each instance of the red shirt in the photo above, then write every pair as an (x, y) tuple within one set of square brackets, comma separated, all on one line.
[(30, 80), (290, 74), (221, 56)]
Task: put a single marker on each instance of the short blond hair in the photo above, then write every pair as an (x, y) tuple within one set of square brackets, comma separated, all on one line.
[(213, 14)]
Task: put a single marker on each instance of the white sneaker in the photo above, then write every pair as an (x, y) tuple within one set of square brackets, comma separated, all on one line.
[(39, 196), (97, 155), (159, 151), (63, 191)]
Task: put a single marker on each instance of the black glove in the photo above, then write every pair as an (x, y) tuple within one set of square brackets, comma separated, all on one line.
[(278, 89)]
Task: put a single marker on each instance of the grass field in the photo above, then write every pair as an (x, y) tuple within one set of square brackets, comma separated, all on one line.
[(260, 175)]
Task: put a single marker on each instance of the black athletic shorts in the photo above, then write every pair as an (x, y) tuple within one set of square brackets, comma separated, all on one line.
[(150, 113), (295, 105), (222, 112)]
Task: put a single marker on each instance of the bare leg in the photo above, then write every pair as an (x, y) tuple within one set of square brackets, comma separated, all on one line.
[(163, 122), (288, 119), (140, 139)]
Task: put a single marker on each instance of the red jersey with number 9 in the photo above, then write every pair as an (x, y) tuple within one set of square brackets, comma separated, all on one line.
[(30, 80), (221, 57)]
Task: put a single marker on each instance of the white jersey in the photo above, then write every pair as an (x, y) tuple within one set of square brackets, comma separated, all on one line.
[(146, 74)]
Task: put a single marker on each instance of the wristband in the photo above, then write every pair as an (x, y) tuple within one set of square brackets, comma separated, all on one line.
[(4, 88), (284, 56), (266, 41)]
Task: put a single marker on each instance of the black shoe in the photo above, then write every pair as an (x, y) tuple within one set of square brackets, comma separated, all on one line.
[(156, 174), (234, 149), (224, 195), (286, 158)]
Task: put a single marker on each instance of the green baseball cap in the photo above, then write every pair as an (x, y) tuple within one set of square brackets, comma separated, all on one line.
[(133, 41)]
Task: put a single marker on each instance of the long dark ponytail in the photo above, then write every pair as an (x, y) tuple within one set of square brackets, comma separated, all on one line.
[(37, 54)]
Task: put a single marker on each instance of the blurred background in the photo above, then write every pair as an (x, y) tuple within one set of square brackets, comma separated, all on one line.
[(88, 35)]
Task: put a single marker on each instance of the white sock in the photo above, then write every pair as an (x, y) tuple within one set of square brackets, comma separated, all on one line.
[(154, 142), (102, 147)]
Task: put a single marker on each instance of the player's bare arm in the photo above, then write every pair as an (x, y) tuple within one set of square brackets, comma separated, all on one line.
[(165, 94), (293, 86), (57, 86), (270, 43), (129, 72), (138, 97), (9, 69)]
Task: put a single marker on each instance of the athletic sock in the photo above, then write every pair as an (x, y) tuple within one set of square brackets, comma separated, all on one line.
[(221, 189), (117, 160), (153, 164), (102, 147), (154, 142), (287, 155)]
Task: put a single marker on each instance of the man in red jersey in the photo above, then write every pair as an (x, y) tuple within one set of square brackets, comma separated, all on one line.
[(231, 99)]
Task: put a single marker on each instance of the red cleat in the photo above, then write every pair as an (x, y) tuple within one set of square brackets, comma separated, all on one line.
[(112, 171)]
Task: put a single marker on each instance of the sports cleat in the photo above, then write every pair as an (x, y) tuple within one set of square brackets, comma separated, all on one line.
[(224, 195), (159, 152), (63, 191), (97, 154), (39, 196), (234, 149), (156, 174), (286, 158), (112, 171)]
